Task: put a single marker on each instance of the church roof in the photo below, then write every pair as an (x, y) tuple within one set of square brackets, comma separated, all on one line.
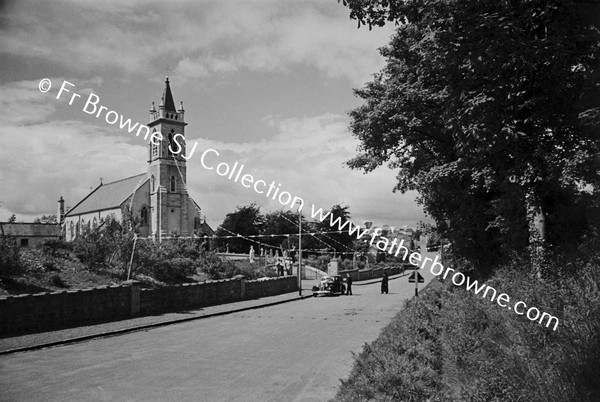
[(167, 97), (108, 196)]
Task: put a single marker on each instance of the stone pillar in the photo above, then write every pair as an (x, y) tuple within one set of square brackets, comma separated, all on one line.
[(242, 286), (333, 267), (135, 296)]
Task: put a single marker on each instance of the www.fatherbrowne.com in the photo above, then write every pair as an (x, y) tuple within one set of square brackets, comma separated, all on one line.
[(437, 269)]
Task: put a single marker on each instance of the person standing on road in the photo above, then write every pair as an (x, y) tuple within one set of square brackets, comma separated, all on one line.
[(348, 284), (384, 283)]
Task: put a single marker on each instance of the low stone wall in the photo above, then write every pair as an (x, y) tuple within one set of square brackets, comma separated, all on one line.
[(365, 274), (270, 287), (47, 311), (37, 312), (192, 295)]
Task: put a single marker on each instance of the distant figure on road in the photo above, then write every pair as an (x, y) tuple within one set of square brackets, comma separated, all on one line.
[(348, 285), (384, 283), (279, 268)]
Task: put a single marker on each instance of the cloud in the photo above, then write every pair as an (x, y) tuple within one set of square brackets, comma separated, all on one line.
[(197, 39), (44, 157), (306, 158)]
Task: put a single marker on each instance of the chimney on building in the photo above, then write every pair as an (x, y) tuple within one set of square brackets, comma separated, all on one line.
[(60, 215)]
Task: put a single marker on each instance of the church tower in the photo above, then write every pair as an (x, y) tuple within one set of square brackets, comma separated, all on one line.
[(169, 201)]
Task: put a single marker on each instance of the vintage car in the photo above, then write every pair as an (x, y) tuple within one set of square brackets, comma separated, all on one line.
[(329, 286)]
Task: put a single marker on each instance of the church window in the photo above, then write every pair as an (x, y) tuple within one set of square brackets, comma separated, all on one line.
[(172, 145), (172, 184), (154, 147), (144, 215), (95, 223), (152, 183)]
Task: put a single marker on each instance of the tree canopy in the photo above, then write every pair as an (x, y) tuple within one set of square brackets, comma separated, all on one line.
[(340, 242), (490, 111), (46, 219), (245, 220)]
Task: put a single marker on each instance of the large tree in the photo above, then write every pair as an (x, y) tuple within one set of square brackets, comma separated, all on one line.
[(341, 241), (489, 110), (245, 221)]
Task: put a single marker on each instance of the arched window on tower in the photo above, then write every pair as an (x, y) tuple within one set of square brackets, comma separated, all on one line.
[(173, 188), (154, 146), (144, 216), (152, 183), (171, 143)]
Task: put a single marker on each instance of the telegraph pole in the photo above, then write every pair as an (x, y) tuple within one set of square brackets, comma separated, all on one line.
[(299, 249)]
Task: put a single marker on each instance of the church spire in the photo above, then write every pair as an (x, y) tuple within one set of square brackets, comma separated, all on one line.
[(167, 97)]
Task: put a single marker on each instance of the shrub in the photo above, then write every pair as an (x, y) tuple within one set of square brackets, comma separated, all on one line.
[(57, 281), (173, 270), (169, 261), (215, 268), (345, 265), (10, 258), (49, 265), (322, 262), (53, 246)]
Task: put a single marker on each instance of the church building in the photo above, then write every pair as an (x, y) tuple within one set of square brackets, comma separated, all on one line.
[(157, 200)]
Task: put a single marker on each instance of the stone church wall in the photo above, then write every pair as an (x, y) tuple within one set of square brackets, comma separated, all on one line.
[(74, 224)]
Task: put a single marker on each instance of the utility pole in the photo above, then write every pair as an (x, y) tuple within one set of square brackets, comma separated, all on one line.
[(299, 249)]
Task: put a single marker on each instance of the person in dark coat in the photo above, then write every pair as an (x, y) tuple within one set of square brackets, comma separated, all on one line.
[(348, 285), (384, 283)]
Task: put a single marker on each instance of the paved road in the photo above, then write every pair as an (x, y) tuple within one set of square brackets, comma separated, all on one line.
[(296, 351)]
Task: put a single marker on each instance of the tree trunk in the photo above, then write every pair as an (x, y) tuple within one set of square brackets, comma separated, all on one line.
[(536, 221)]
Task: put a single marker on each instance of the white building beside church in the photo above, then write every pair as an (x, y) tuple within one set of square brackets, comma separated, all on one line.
[(157, 198)]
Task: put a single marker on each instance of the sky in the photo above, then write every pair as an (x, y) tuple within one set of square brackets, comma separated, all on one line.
[(267, 83)]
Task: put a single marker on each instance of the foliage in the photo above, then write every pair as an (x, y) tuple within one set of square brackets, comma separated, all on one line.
[(340, 242), (229, 269), (463, 347), (52, 247), (96, 246), (10, 258), (169, 261), (486, 107), (48, 219), (57, 281), (12, 219), (246, 220)]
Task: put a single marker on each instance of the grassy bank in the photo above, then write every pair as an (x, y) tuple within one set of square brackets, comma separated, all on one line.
[(456, 346)]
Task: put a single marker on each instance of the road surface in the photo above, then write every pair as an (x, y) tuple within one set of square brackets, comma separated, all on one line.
[(296, 351)]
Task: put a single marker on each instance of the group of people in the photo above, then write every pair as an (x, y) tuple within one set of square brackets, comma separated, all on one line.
[(384, 284), (281, 268)]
